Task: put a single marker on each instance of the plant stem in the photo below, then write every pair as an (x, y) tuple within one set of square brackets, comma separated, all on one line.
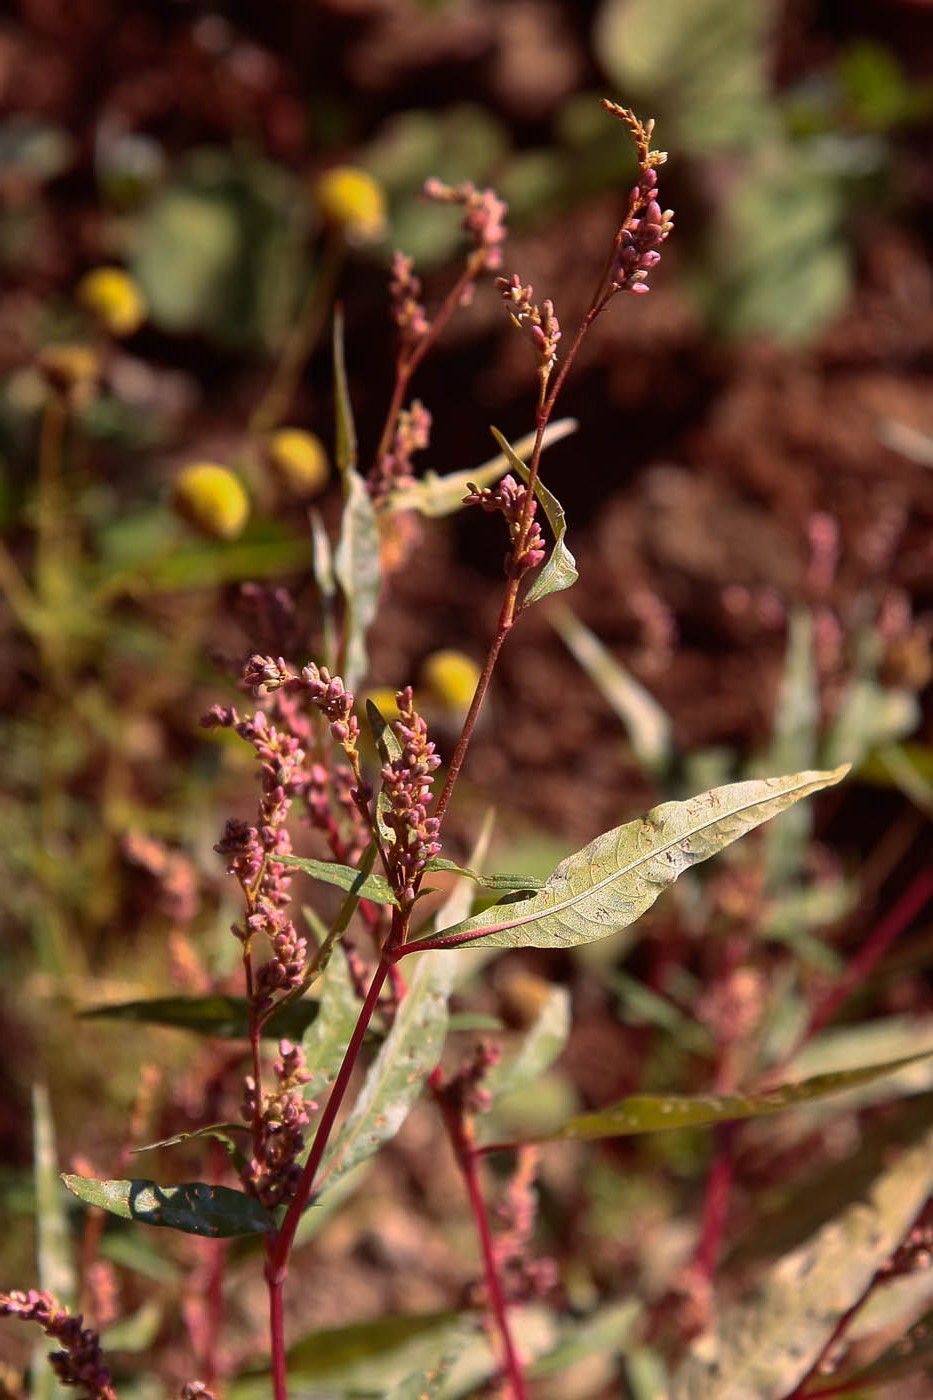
[(461, 1141), (716, 1202), (872, 950), (408, 363), (277, 1261), (276, 1326)]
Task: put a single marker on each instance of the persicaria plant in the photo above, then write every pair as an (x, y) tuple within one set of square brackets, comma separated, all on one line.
[(357, 1004)]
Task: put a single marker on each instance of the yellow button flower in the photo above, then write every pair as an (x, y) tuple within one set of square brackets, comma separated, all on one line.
[(299, 460), (113, 299), (450, 678), (351, 200), (212, 499)]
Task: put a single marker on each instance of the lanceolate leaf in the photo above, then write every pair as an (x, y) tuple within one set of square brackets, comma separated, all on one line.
[(540, 1048), (389, 750), (226, 1017), (194, 1207), (323, 567), (356, 560), (329, 1352), (356, 564), (409, 1053), (616, 878), (53, 1238), (345, 428), (762, 1349), (511, 883), (326, 1040), (366, 886), (647, 726), (560, 568), (220, 1132), (437, 495), (652, 1113)]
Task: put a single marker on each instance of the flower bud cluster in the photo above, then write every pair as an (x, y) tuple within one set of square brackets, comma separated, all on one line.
[(484, 218), (412, 434), (408, 311), (268, 674), (255, 852), (539, 324), (80, 1363), (466, 1089), (273, 1172), (406, 784), (524, 1278), (640, 237), (509, 498)]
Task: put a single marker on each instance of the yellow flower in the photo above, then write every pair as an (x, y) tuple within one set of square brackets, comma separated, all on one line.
[(299, 460), (351, 200), (113, 299), (450, 678), (212, 499)]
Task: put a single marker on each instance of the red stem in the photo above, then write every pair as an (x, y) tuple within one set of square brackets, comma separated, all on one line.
[(276, 1327), (716, 1202), (872, 950), (406, 365), (467, 1160), (280, 1250)]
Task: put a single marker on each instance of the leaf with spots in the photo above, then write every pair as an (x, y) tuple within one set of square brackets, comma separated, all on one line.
[(763, 1347), (194, 1207), (653, 1113), (408, 1054), (611, 882)]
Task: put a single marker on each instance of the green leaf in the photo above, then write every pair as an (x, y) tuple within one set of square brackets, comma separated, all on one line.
[(507, 882), (763, 1348), (345, 877), (225, 1017), (53, 1239), (429, 1381), (219, 1132), (322, 563), (611, 882), (541, 1046), (345, 449), (390, 751), (356, 560), (356, 564), (326, 1039), (653, 1113), (647, 726), (409, 1053), (435, 495), (333, 1350), (560, 567), (194, 1207)]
